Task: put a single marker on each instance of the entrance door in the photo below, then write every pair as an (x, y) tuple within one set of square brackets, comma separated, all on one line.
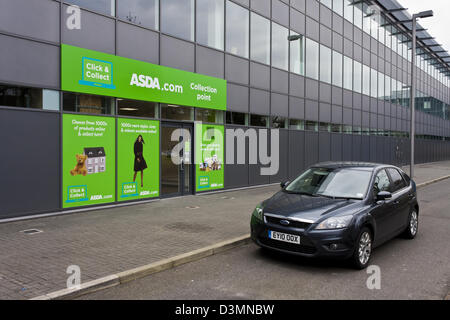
[(176, 176)]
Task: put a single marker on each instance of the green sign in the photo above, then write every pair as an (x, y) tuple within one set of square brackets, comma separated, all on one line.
[(89, 160), (209, 157), (137, 159), (93, 72)]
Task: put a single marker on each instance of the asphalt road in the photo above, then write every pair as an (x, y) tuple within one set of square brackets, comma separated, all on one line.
[(410, 269)]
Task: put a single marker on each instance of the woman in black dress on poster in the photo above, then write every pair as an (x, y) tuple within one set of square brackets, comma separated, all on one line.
[(139, 161)]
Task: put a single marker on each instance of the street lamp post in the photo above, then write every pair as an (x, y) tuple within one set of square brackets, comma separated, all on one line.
[(423, 14)]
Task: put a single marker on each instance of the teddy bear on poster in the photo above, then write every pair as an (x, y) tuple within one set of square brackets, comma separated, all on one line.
[(80, 168)]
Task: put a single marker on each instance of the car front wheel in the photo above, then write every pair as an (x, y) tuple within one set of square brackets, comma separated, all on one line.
[(363, 250)]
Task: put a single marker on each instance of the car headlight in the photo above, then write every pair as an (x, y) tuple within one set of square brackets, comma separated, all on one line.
[(258, 212), (335, 223)]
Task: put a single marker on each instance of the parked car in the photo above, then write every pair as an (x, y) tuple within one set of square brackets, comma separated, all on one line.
[(338, 209)]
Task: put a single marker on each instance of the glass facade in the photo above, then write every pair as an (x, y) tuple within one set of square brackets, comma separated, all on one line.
[(143, 13), (237, 30), (280, 47), (210, 23), (177, 18), (312, 59), (260, 39)]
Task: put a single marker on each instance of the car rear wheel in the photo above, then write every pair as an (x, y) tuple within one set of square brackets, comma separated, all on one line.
[(413, 225), (363, 250)]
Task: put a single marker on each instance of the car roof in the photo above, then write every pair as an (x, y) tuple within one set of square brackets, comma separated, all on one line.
[(350, 164)]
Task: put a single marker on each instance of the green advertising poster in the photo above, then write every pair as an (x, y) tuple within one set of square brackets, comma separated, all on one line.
[(209, 157), (89, 160), (94, 72), (137, 159)]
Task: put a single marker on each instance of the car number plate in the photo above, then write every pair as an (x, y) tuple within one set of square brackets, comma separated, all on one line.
[(284, 237)]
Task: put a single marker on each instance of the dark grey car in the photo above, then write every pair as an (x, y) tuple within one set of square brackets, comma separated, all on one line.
[(338, 209)]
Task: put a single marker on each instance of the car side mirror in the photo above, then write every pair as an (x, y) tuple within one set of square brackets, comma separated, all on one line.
[(383, 195), (284, 184)]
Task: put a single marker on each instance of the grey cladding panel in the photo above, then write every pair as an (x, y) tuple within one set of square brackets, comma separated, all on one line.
[(137, 43), (237, 98), (259, 102), (96, 33), (34, 19), (279, 105), (236, 69), (280, 81), (29, 62), (296, 108), (171, 57), (31, 166), (297, 22), (280, 13), (259, 76), (261, 6), (210, 62)]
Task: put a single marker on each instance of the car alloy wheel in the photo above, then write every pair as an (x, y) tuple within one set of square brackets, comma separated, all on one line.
[(364, 248), (413, 223)]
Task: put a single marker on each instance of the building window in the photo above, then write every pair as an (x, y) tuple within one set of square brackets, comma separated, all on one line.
[(210, 23), (177, 18), (374, 25), (328, 3), (387, 88), (366, 17), (337, 69), (143, 13), (209, 115), (279, 122), (380, 85), (134, 108), (297, 57), (237, 30), (280, 47), (237, 118), (311, 125), (348, 73), (312, 59), (373, 83), (20, 97), (366, 80), (296, 124), (357, 76), (102, 6), (347, 129), (336, 128), (175, 112), (324, 127), (338, 7), (50, 100), (260, 39), (259, 121), (358, 15), (325, 64), (348, 10), (86, 103)]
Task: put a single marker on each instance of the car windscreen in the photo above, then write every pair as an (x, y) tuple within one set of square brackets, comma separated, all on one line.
[(337, 183)]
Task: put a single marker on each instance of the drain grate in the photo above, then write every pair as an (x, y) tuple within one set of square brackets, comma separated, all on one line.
[(192, 207), (31, 231)]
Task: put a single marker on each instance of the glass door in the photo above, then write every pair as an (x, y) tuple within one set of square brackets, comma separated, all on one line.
[(176, 159)]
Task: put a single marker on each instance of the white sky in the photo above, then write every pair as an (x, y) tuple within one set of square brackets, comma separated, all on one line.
[(439, 25)]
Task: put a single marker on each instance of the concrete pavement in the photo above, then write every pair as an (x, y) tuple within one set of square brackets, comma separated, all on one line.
[(110, 241)]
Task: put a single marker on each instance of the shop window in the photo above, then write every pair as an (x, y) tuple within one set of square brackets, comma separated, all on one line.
[(134, 108), (208, 115), (237, 118), (237, 30), (32, 98), (102, 6), (175, 112), (259, 121), (84, 103), (260, 39), (279, 122), (296, 124), (177, 18), (144, 13)]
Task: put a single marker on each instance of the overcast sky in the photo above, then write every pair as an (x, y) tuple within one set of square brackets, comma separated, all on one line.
[(439, 25)]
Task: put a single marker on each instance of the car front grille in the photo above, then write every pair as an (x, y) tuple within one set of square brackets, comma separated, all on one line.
[(302, 248), (292, 223)]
